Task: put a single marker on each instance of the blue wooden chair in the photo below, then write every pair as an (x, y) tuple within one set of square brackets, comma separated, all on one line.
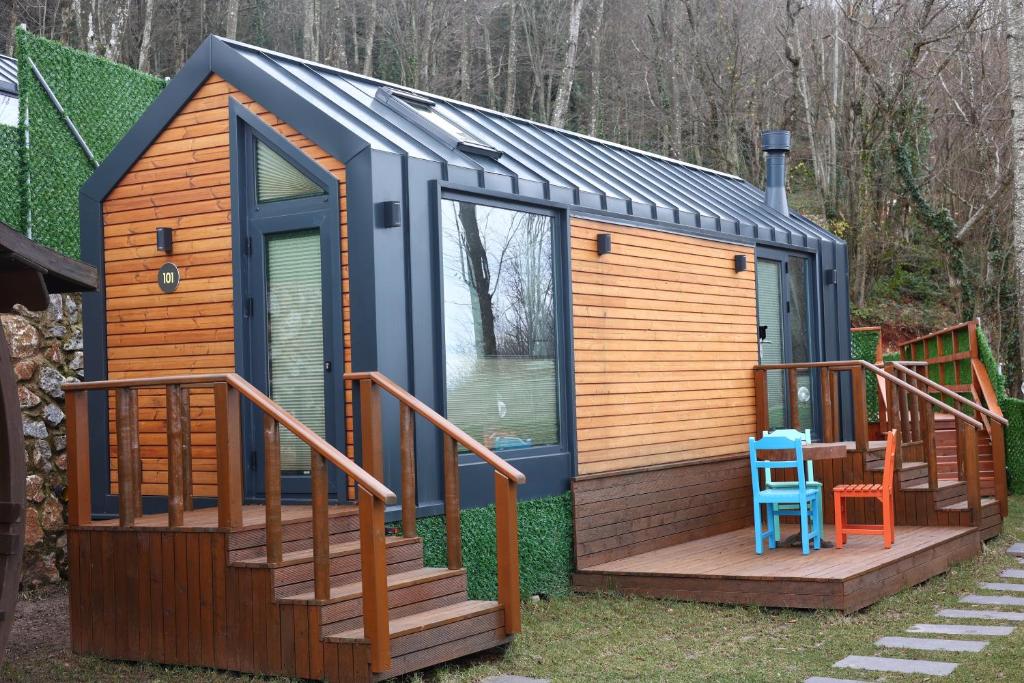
[(803, 497), (783, 508)]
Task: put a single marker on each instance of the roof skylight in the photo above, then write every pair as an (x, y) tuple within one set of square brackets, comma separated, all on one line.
[(423, 112)]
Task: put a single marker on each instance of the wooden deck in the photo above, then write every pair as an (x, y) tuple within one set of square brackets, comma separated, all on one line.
[(724, 569)]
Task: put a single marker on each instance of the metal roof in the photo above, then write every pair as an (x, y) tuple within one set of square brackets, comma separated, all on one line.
[(8, 75), (346, 112)]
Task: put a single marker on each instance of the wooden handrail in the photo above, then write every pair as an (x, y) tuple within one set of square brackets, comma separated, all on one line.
[(442, 423), (269, 407), (937, 333), (850, 364), (946, 391), (988, 392), (506, 479)]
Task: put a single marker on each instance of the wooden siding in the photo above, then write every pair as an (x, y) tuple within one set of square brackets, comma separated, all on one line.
[(183, 181), (664, 336)]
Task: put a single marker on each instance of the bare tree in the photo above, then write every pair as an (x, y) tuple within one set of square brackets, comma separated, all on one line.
[(147, 34), (231, 19), (1015, 36), (561, 109)]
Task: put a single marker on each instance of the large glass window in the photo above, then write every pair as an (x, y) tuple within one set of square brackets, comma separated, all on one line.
[(499, 324), (277, 179)]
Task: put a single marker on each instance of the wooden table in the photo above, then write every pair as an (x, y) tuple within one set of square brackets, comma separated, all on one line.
[(811, 451)]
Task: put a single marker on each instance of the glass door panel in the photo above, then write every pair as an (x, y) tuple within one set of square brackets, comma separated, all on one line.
[(770, 345), (798, 302), (295, 338)]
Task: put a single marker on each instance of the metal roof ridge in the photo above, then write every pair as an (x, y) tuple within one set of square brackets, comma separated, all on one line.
[(452, 101)]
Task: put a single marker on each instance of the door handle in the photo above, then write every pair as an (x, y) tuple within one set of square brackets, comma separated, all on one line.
[(327, 366)]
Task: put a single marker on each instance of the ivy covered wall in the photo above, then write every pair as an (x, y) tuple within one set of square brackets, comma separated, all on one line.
[(103, 100), (10, 201)]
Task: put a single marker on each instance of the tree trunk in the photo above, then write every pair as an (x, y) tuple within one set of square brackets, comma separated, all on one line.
[(561, 109), (1015, 36), (147, 35), (595, 70), (336, 51), (231, 19), (479, 277), (117, 24), (310, 30), (512, 60), (464, 54), (371, 31)]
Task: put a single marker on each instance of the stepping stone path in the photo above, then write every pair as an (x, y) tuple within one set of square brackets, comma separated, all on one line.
[(931, 644), (936, 668), (1004, 600), (1011, 587), (893, 665), (981, 614), (961, 629)]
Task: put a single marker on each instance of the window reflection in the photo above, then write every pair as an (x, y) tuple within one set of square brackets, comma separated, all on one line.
[(499, 324)]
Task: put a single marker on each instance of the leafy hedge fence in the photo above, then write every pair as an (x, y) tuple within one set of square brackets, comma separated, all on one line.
[(102, 98)]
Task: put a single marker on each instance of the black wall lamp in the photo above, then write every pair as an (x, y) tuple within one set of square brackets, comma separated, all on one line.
[(389, 214), (830, 276), (604, 244), (740, 262), (164, 241)]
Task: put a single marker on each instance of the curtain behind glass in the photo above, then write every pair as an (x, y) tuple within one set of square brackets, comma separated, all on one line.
[(296, 337), (277, 178), (499, 323)]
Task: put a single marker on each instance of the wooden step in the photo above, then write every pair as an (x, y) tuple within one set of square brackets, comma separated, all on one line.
[(439, 635), (963, 505), (419, 590), (402, 555), (295, 557)]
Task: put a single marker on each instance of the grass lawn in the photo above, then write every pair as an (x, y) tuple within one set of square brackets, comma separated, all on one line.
[(610, 638)]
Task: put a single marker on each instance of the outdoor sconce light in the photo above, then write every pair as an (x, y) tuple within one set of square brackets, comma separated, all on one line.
[(830, 276), (604, 244), (164, 241), (740, 263), (389, 214)]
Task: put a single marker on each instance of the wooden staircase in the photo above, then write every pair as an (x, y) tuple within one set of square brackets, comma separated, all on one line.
[(947, 459), (312, 591)]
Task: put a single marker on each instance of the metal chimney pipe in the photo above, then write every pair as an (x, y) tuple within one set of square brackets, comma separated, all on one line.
[(775, 143)]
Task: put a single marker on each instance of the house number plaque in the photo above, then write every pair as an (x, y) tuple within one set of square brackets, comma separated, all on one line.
[(168, 277)]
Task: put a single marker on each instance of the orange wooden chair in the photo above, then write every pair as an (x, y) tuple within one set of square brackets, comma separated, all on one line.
[(882, 492)]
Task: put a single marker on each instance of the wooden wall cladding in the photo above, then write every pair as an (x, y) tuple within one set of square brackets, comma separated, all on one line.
[(183, 181), (665, 339), (628, 513)]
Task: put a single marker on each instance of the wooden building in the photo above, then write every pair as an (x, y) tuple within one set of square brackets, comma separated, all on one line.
[(433, 299)]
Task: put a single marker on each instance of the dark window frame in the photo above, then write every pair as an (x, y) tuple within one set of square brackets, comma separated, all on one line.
[(565, 388)]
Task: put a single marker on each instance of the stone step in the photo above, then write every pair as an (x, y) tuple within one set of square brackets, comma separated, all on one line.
[(829, 679), (961, 629), (989, 614), (931, 644), (896, 665), (1013, 574), (1017, 549), (1003, 600), (1010, 587)]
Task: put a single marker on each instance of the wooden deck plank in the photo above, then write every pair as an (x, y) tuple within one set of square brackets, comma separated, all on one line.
[(725, 568)]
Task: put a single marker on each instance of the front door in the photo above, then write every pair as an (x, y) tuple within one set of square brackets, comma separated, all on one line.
[(292, 320), (786, 332)]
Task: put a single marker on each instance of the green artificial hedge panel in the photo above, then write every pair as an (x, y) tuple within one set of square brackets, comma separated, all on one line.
[(862, 347), (545, 547), (1013, 411), (102, 98), (10, 198)]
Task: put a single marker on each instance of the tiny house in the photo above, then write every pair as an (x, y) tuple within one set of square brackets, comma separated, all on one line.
[(452, 303)]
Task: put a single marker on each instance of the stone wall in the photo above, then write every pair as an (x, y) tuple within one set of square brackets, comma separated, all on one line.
[(46, 349)]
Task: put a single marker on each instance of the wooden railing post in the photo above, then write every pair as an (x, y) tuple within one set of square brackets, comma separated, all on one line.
[(828, 432), (369, 403), (928, 440), (375, 580), (896, 422), (79, 492), (967, 440), (508, 551), (128, 467), (452, 519), (860, 408), (794, 404), (272, 486), (186, 447), (175, 457), (407, 442), (229, 455), (998, 438), (760, 401), (321, 534)]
